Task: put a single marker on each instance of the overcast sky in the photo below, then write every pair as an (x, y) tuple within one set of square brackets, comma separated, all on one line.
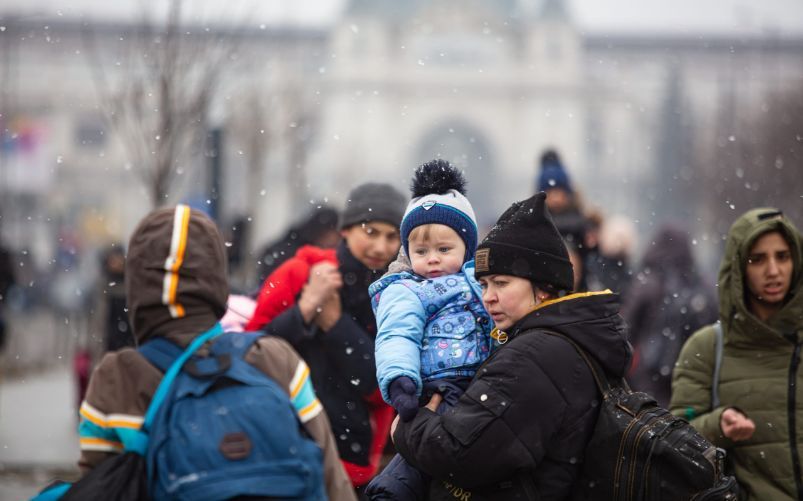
[(746, 17)]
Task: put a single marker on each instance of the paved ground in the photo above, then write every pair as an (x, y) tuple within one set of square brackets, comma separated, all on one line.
[(38, 438), (39, 339)]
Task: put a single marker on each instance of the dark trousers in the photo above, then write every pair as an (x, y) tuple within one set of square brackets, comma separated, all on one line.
[(400, 481)]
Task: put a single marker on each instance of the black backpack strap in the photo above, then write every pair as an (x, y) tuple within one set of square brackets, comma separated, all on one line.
[(718, 335), (600, 376), (160, 352)]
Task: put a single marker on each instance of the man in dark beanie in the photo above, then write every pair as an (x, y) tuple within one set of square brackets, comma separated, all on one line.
[(521, 427), (318, 301)]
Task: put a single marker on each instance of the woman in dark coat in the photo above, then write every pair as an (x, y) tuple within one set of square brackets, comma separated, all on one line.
[(520, 429)]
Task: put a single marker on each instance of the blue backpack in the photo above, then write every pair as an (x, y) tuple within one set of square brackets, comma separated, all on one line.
[(221, 428), (216, 428)]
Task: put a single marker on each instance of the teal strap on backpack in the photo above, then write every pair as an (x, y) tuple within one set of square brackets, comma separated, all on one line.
[(53, 493), (717, 365), (172, 372), (138, 441)]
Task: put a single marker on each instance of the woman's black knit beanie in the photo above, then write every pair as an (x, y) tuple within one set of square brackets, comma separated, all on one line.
[(525, 243)]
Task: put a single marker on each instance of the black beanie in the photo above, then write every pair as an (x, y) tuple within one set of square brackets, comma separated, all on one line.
[(525, 243), (373, 202)]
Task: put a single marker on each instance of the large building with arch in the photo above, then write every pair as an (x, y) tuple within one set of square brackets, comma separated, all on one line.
[(481, 84), (487, 85), (490, 85)]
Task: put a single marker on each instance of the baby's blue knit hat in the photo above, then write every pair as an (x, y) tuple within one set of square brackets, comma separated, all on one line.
[(439, 198)]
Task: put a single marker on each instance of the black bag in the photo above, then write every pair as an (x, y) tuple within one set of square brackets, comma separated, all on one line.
[(639, 451), (122, 478)]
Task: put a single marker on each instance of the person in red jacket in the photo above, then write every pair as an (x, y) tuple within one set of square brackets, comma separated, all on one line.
[(318, 301)]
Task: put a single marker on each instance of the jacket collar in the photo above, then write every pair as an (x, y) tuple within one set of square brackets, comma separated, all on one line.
[(590, 319), (569, 297), (503, 336), (361, 275)]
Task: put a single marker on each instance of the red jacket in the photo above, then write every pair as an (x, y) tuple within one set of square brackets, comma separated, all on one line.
[(283, 286)]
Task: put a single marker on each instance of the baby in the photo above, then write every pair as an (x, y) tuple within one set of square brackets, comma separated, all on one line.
[(432, 330)]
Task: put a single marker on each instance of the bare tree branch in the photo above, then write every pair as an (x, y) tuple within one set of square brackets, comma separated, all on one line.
[(756, 159), (158, 101)]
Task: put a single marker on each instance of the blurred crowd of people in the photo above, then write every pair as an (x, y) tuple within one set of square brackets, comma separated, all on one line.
[(664, 296)]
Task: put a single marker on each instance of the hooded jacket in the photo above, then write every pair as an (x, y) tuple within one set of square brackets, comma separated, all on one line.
[(760, 373), (176, 288), (530, 410)]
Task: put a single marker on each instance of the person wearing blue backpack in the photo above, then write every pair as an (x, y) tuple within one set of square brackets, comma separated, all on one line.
[(235, 414)]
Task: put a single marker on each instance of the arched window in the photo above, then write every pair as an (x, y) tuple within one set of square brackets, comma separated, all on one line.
[(466, 148)]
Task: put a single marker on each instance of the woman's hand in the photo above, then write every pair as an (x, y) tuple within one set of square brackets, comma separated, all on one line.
[(434, 402), (432, 405), (735, 425), (393, 428)]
